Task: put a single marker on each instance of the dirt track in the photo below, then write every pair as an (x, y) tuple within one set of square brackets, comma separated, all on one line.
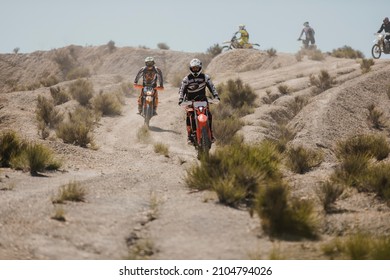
[(135, 195)]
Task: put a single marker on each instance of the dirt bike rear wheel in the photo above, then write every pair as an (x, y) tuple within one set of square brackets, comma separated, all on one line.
[(376, 51)]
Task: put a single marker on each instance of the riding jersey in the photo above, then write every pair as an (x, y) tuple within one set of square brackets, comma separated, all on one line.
[(150, 76), (386, 28), (194, 88)]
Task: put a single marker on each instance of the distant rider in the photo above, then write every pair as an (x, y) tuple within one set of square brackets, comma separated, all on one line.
[(193, 87), (386, 27), (309, 35), (244, 36), (151, 75)]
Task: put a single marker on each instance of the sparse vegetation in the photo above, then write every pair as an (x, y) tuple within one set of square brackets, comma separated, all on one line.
[(328, 193), (59, 214), (162, 149), (302, 160), (10, 146), (72, 191), (78, 73), (111, 46), (271, 52), (107, 104), (163, 46), (77, 129), (46, 112), (143, 134), (284, 89), (347, 52), (59, 95), (214, 50), (82, 91), (365, 65), (322, 82), (375, 116)]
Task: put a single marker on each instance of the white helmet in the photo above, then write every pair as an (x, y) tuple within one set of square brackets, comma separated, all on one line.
[(149, 61), (195, 67), (241, 26)]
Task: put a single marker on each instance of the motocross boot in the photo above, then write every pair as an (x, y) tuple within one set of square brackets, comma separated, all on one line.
[(155, 111), (190, 138)]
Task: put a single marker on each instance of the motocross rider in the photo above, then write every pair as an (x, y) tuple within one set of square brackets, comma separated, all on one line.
[(244, 36), (309, 34), (386, 27), (151, 75), (193, 87)]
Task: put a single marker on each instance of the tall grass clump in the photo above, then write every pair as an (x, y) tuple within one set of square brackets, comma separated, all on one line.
[(284, 89), (271, 52), (237, 94), (59, 95), (78, 127), (375, 116), (47, 113), (328, 193), (284, 216), (236, 171), (365, 65), (82, 91), (301, 160), (322, 82), (356, 156), (107, 104), (347, 52), (162, 149), (72, 191), (65, 61), (10, 146), (36, 158), (359, 246), (78, 73), (214, 50)]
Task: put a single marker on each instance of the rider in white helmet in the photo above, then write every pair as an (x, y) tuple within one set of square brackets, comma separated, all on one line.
[(193, 87), (151, 75)]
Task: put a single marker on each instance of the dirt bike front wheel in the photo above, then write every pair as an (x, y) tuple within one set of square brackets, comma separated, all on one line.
[(376, 51), (148, 115), (205, 144)]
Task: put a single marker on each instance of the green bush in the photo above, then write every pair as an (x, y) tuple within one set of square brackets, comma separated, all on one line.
[(214, 50), (237, 94), (70, 192), (47, 113)]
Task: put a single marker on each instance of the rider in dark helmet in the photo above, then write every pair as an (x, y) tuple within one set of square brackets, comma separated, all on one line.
[(193, 87), (309, 34), (386, 27), (150, 75)]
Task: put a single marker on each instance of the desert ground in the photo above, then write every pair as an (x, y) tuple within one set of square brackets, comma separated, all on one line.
[(136, 197)]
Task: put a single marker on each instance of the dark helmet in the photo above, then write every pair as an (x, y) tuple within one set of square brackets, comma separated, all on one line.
[(195, 67), (386, 20)]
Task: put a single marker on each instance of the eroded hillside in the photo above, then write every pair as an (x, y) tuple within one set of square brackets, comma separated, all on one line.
[(137, 197)]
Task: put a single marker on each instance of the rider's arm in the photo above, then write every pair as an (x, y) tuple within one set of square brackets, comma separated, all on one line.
[(183, 88), (160, 77), (139, 74), (381, 29), (211, 86)]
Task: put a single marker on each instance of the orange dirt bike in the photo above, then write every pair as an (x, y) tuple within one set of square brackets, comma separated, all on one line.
[(380, 45), (234, 44), (200, 129), (148, 101)]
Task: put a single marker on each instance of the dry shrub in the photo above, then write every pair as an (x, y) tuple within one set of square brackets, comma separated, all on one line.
[(107, 104), (78, 73), (49, 81), (237, 94), (163, 46), (77, 130), (64, 60), (284, 216), (302, 160), (82, 91), (161, 148), (365, 65), (111, 46), (328, 193), (214, 50), (322, 82), (376, 118), (10, 146), (347, 52), (271, 52), (46, 112), (72, 191), (284, 89), (59, 95)]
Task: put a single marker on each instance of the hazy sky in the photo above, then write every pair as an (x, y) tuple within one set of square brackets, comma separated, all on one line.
[(185, 25)]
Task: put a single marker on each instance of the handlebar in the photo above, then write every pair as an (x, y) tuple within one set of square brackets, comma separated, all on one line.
[(141, 86), (191, 102)]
